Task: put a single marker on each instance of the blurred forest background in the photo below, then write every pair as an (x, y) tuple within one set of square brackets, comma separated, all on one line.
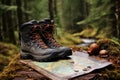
[(85, 18), (74, 19)]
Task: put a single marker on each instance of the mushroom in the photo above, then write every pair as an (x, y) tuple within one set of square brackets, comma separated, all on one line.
[(103, 53), (93, 49)]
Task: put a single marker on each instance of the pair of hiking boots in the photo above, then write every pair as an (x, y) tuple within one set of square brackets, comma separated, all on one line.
[(38, 43)]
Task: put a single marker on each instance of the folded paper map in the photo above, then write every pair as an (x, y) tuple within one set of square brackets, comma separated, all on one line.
[(79, 64)]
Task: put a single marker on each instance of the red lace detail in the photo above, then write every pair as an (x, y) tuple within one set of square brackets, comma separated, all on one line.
[(48, 34), (36, 36)]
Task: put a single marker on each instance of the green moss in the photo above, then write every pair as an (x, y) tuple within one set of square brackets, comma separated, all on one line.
[(9, 61), (87, 33), (68, 39), (93, 32), (10, 71), (7, 52), (104, 33), (113, 74), (113, 48)]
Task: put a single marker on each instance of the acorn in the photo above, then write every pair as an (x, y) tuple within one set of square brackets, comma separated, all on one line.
[(93, 49)]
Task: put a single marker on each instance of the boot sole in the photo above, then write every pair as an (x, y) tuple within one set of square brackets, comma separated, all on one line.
[(65, 54), (40, 58)]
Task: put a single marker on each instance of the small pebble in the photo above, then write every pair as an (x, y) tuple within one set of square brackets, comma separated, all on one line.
[(76, 70), (89, 67), (85, 69)]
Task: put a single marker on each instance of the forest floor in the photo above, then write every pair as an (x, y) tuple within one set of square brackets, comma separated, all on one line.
[(15, 70), (18, 71)]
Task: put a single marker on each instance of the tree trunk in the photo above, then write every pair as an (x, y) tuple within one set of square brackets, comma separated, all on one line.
[(84, 9), (19, 12), (1, 37), (51, 11), (55, 8), (26, 8), (4, 25), (10, 24), (117, 19), (1, 32), (117, 13)]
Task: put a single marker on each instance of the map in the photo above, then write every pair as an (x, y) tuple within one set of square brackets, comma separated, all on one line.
[(79, 64)]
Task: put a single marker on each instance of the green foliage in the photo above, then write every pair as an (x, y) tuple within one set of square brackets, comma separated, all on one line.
[(99, 13), (5, 8), (38, 9), (8, 8), (99, 18), (70, 12)]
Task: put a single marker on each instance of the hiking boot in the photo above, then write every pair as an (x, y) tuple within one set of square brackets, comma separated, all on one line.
[(32, 46), (47, 27)]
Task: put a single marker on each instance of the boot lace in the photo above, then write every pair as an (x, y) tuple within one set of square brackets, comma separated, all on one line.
[(48, 32), (36, 37)]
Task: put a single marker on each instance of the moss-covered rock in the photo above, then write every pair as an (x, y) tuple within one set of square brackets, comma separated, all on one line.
[(113, 48)]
